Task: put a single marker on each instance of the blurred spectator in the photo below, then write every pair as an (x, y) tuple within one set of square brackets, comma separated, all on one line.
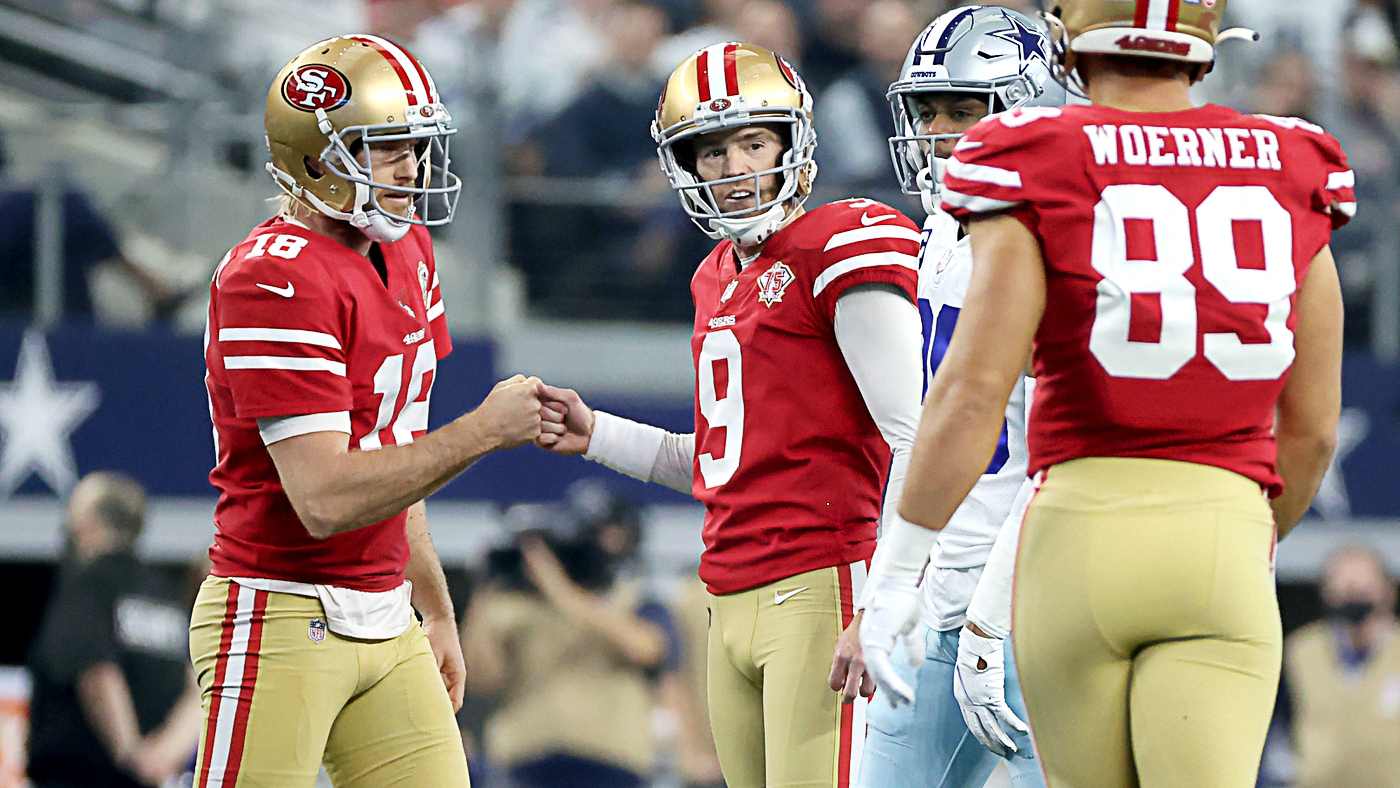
[(89, 245), (718, 23), (1286, 87), (853, 116), (771, 24), (115, 702), (606, 131), (833, 45), (626, 256), (686, 690), (1343, 680), (548, 51), (561, 639), (1369, 130)]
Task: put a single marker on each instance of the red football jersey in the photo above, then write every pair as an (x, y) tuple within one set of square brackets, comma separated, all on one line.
[(300, 325), (788, 461), (1174, 244)]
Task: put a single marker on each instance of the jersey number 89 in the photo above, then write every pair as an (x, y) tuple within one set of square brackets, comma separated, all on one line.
[(1165, 276)]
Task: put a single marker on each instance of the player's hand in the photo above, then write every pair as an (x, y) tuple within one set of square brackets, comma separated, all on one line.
[(447, 649), (567, 421), (848, 675), (511, 411), (152, 763), (892, 615), (979, 683)]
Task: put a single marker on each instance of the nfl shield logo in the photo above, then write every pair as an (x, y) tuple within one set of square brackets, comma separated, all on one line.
[(316, 630), (773, 283)]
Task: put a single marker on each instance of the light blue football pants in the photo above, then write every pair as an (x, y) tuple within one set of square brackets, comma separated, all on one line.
[(926, 744)]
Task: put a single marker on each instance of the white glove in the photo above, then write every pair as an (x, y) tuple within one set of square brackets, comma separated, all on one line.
[(979, 683), (892, 614)]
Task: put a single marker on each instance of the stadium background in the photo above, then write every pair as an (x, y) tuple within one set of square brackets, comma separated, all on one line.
[(131, 136)]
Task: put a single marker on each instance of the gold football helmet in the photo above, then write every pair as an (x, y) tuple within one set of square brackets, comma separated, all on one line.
[(1184, 30), (725, 86), (332, 100)]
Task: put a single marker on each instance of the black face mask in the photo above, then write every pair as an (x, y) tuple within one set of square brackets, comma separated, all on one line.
[(1352, 612)]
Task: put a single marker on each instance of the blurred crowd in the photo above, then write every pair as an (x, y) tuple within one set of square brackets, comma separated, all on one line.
[(585, 668), (557, 96)]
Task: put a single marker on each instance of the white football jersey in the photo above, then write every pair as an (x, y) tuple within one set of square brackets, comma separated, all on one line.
[(945, 271)]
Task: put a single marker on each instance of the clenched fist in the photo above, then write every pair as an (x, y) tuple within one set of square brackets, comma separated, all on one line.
[(511, 412), (568, 422)]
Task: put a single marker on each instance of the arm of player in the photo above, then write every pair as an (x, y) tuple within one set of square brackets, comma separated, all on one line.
[(169, 748), (105, 699), (335, 490), (434, 604), (628, 447), (637, 640), (879, 333), (979, 680), (1311, 401), (966, 403)]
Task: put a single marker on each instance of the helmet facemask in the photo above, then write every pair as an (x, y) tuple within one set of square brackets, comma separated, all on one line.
[(346, 158), (746, 226)]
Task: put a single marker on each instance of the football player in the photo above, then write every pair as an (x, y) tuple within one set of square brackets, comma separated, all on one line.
[(967, 64), (325, 329), (1170, 266), (806, 351)]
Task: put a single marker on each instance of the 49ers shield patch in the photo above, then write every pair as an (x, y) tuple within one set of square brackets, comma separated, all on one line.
[(773, 283)]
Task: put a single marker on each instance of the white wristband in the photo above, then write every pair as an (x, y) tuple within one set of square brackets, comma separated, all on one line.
[(624, 445), (902, 554)]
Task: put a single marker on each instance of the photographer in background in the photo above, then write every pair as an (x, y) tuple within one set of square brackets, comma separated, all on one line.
[(571, 649), (114, 704), (1342, 680)]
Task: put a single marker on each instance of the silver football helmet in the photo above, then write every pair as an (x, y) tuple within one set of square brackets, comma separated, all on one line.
[(995, 53)]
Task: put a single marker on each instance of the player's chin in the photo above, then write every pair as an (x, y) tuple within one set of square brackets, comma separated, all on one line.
[(396, 204)]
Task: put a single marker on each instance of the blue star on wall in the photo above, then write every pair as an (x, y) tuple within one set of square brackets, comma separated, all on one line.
[(1028, 40)]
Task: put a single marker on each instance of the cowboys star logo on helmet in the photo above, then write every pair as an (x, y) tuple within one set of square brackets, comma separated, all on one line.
[(722, 87), (336, 98)]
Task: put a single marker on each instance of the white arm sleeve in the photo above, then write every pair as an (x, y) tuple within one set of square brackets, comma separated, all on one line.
[(642, 451), (880, 336), (990, 608)]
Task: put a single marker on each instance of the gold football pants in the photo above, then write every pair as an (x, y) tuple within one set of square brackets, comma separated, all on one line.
[(1146, 624), (282, 694), (776, 722)]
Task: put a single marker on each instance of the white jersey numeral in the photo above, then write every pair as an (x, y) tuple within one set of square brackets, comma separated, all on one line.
[(1163, 273), (286, 247), (388, 382), (725, 412)]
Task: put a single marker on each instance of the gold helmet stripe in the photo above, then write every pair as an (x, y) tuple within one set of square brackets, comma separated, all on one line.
[(717, 71), (417, 85)]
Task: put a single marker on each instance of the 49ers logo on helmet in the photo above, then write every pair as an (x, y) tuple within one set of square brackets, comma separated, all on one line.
[(1146, 44), (720, 105), (314, 87)]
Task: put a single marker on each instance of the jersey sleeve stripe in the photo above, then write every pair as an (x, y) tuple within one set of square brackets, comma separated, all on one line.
[(975, 204), (1341, 180), (873, 260), (894, 232), (279, 335), (982, 173), (435, 311), (281, 428), (285, 362), (1348, 209)]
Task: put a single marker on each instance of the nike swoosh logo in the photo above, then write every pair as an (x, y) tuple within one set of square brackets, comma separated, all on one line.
[(285, 292), (778, 598), (867, 221)]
